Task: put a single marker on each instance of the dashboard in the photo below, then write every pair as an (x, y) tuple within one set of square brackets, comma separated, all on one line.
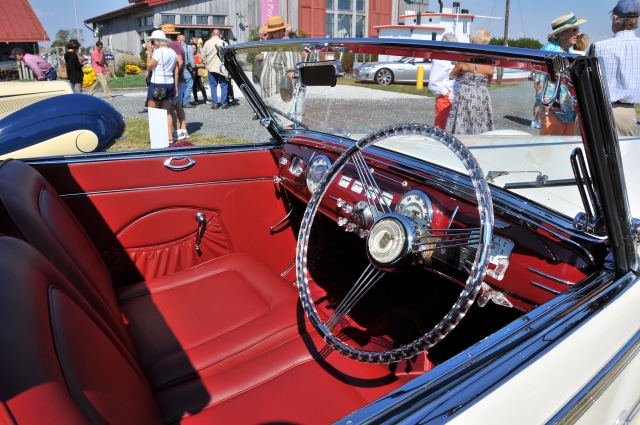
[(527, 267)]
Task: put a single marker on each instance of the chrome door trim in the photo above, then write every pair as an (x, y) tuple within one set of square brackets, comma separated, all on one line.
[(579, 404), (544, 288), (442, 393), (168, 186), (149, 153)]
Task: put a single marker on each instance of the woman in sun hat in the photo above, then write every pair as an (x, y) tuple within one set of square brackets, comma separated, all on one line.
[(163, 61), (564, 34)]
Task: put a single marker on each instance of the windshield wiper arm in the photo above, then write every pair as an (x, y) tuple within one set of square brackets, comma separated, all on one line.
[(293, 120), (492, 175), (537, 183)]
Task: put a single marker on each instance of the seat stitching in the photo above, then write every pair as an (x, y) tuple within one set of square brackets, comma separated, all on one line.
[(274, 377), (208, 365), (214, 374)]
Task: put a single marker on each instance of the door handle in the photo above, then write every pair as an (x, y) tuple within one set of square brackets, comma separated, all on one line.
[(202, 226), (190, 163)]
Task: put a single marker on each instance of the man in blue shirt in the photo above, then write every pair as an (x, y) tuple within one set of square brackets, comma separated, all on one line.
[(621, 55), (189, 66), (564, 34)]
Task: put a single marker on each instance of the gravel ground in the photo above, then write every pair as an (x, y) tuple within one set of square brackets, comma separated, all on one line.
[(512, 109)]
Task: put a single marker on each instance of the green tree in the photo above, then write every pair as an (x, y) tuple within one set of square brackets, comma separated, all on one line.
[(63, 36), (524, 42)]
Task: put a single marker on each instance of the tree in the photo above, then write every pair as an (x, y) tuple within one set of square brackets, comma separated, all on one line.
[(63, 36), (526, 43)]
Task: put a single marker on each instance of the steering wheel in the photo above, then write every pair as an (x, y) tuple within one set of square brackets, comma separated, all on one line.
[(393, 241)]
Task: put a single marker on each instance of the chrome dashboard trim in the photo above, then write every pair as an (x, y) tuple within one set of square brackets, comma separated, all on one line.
[(524, 212), (545, 288), (134, 189), (548, 276), (442, 393)]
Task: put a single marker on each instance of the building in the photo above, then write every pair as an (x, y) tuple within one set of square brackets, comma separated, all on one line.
[(125, 29), (19, 27)]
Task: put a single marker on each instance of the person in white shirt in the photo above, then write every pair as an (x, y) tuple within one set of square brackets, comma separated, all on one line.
[(441, 86), (621, 55)]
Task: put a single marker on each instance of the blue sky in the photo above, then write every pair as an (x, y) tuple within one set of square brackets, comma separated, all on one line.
[(531, 18)]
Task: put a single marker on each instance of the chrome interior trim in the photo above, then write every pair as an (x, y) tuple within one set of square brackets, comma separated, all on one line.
[(293, 264), (524, 212), (541, 286), (588, 395), (148, 153), (548, 276), (133, 189), (442, 393)]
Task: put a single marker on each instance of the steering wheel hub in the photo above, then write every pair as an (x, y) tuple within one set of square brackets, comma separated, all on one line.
[(390, 241)]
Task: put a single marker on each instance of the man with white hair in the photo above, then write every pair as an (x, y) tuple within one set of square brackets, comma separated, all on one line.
[(621, 56), (443, 88), (217, 72)]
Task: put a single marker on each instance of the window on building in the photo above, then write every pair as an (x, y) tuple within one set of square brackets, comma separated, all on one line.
[(187, 33), (149, 21), (341, 17), (433, 35), (329, 25), (344, 26), (168, 19), (344, 4), (186, 19), (202, 20), (465, 27), (218, 20), (359, 26)]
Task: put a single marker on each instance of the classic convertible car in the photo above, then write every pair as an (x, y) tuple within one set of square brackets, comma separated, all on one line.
[(353, 265)]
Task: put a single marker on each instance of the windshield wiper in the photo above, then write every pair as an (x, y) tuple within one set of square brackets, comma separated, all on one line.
[(293, 120), (545, 183), (492, 175)]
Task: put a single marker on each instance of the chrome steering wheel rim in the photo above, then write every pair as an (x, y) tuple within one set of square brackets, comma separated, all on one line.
[(478, 269)]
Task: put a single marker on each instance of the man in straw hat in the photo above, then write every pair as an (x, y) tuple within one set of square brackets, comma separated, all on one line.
[(276, 65), (621, 56), (564, 34)]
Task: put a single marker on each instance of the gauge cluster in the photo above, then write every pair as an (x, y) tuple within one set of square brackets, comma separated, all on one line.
[(447, 226)]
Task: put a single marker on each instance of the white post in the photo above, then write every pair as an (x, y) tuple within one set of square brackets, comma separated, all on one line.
[(158, 126)]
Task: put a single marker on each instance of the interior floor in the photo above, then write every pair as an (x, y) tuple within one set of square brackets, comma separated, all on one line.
[(400, 308)]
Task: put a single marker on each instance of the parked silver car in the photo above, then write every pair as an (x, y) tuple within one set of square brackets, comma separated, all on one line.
[(404, 70)]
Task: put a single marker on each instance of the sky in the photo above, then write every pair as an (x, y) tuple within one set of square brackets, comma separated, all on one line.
[(530, 18)]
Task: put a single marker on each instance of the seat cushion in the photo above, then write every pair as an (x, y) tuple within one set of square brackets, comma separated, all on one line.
[(301, 381), (221, 312)]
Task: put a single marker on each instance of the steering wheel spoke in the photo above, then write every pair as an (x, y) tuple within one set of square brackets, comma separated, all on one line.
[(394, 241), (367, 280)]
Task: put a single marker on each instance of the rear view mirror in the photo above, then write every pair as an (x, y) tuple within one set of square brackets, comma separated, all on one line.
[(323, 73)]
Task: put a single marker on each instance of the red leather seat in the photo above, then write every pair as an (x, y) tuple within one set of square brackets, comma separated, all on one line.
[(180, 324), (62, 363)]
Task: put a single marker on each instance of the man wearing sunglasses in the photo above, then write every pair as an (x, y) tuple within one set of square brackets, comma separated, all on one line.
[(621, 55), (559, 121)]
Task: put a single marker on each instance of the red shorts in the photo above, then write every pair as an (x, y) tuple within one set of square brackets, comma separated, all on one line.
[(443, 107)]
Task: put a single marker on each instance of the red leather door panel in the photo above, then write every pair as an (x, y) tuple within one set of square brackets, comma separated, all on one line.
[(138, 210)]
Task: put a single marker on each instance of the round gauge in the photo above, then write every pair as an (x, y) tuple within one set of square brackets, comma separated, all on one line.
[(415, 205), (316, 171)]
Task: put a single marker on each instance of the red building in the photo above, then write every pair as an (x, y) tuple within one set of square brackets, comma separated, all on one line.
[(19, 27)]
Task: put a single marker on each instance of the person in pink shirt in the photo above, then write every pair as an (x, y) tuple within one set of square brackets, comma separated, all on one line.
[(40, 67), (99, 64)]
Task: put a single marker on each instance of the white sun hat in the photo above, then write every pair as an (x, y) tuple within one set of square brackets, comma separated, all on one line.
[(157, 35)]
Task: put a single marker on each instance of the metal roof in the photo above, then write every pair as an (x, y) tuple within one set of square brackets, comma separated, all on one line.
[(19, 23)]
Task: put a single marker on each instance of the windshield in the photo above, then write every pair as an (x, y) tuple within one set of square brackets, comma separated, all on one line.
[(509, 145)]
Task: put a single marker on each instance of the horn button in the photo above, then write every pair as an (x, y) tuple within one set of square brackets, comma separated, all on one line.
[(390, 241)]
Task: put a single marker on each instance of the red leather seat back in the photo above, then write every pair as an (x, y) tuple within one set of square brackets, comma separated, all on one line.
[(34, 212), (60, 362)]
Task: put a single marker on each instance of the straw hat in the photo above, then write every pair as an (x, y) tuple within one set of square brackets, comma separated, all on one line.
[(274, 23), (563, 23), (157, 35), (169, 29)]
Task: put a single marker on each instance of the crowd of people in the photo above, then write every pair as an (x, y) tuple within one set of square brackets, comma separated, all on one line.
[(463, 103)]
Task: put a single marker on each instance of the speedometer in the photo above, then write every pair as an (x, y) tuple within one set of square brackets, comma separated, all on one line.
[(416, 205), (316, 171)]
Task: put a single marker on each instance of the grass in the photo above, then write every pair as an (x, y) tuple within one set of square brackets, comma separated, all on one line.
[(130, 81), (402, 88), (637, 109), (137, 137)]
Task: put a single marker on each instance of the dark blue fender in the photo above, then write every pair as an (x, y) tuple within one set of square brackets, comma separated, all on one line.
[(59, 115)]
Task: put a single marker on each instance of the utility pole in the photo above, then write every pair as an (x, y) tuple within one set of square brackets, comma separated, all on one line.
[(505, 40), (75, 10)]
